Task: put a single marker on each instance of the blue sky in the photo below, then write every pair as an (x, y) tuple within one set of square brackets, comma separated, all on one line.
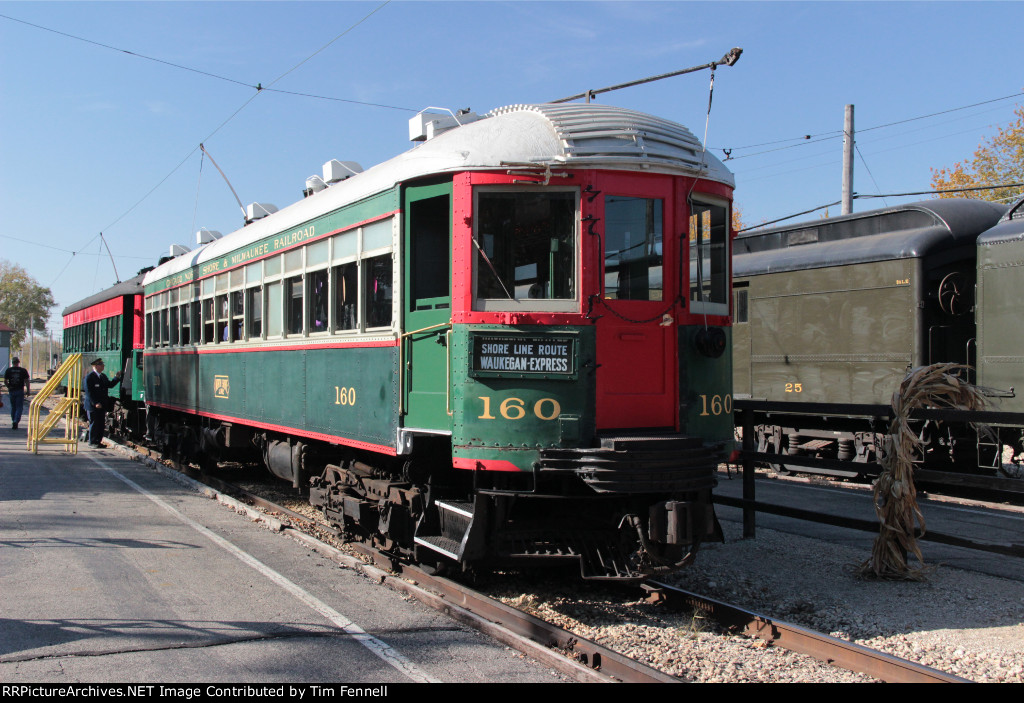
[(95, 140)]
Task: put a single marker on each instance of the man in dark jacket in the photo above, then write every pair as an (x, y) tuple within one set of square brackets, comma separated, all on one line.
[(17, 382), (97, 401)]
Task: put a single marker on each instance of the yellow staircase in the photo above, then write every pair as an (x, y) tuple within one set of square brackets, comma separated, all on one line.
[(67, 407)]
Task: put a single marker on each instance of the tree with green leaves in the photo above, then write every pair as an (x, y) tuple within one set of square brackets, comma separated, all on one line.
[(998, 160), (23, 302)]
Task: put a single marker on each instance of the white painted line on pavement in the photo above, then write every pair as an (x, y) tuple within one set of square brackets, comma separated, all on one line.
[(383, 650)]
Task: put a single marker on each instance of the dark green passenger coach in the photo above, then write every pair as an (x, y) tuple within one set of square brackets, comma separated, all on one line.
[(508, 345)]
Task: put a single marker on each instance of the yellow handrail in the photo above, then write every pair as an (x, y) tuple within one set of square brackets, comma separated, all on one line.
[(67, 407)]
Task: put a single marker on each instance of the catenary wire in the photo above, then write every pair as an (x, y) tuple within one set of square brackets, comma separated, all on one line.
[(259, 90)]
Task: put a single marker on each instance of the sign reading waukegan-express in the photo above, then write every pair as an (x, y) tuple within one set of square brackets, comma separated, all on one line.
[(540, 355)]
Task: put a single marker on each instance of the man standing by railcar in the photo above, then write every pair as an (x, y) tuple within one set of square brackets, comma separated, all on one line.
[(17, 382), (97, 401)]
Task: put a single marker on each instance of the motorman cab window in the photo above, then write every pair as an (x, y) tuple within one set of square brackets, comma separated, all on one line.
[(709, 257), (526, 249)]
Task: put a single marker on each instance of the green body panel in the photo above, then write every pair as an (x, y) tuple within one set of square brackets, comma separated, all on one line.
[(799, 319), (510, 416), (425, 354), (1000, 334), (114, 339), (136, 389), (349, 393), (705, 389), (305, 233)]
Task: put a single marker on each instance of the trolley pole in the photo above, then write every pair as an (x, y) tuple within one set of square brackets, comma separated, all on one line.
[(848, 161)]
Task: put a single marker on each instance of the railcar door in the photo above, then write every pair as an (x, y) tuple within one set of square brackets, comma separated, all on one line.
[(428, 305), (636, 342)]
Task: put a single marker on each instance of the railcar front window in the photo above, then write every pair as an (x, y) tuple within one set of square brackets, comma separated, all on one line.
[(633, 248), (526, 249), (709, 257)]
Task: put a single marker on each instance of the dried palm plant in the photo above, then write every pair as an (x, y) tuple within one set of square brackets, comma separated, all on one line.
[(935, 386)]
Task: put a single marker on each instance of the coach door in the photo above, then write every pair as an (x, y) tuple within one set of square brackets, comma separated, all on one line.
[(428, 305), (636, 335)]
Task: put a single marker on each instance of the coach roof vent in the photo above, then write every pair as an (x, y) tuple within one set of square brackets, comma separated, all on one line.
[(426, 126), (257, 211), (179, 249), (335, 170), (205, 236), (314, 184)]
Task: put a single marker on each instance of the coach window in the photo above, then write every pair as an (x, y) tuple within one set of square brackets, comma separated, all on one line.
[(174, 331), (293, 293), (317, 259), (709, 256), (377, 273), (236, 302), (633, 248), (158, 302), (223, 309), (254, 301), (274, 299), (525, 244), (164, 321), (208, 315), (345, 281), (377, 279), (185, 315), (196, 316)]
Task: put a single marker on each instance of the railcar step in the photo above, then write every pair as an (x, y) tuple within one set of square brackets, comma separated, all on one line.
[(448, 536), (448, 547)]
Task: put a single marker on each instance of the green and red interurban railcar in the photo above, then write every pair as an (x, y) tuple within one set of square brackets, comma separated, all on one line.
[(505, 346)]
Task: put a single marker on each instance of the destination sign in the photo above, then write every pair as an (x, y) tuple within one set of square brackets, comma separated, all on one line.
[(524, 355)]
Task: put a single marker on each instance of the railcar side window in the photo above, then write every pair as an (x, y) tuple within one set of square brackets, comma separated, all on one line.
[(346, 296), (377, 276), (274, 309), (255, 312), (317, 301), (208, 336), (293, 294), (709, 257), (526, 249), (633, 248)]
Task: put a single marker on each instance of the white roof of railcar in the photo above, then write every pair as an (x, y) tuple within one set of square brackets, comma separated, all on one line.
[(571, 135)]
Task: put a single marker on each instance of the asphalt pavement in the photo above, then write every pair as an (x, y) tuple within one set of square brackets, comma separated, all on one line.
[(112, 572)]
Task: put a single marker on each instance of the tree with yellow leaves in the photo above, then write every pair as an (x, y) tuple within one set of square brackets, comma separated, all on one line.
[(998, 160)]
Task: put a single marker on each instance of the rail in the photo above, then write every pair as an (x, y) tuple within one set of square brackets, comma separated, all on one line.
[(795, 638), (66, 408), (748, 410)]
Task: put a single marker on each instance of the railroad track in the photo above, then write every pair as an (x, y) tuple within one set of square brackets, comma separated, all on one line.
[(553, 646)]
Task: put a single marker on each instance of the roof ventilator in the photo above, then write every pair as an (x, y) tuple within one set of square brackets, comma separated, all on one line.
[(425, 126), (205, 236), (257, 211), (335, 171), (179, 249)]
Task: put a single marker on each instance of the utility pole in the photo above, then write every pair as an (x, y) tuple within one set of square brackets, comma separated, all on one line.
[(848, 161)]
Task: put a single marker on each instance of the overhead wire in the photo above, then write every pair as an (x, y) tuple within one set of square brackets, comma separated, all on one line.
[(258, 87), (827, 136), (858, 196)]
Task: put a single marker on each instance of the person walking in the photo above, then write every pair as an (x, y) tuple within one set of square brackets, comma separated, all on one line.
[(17, 382), (98, 402)]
